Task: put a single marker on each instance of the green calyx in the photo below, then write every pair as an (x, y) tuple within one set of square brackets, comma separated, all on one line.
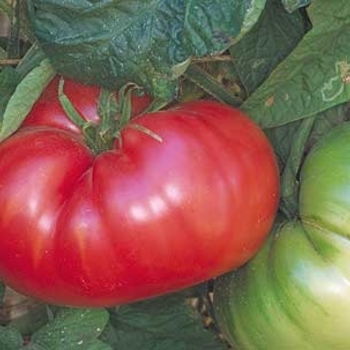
[(114, 114)]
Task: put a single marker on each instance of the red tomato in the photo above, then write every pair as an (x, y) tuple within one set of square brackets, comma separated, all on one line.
[(143, 219)]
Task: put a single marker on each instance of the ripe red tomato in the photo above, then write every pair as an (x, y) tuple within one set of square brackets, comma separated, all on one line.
[(145, 218)]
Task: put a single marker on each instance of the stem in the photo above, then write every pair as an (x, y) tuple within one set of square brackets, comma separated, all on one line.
[(205, 81), (114, 115), (10, 62), (289, 182), (218, 58), (68, 106), (156, 105), (108, 108), (13, 39), (86, 127), (32, 58), (125, 104), (147, 131)]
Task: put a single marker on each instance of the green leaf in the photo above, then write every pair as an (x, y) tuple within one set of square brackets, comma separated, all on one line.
[(2, 291), (32, 346), (165, 323), (327, 120), (147, 42), (24, 97), (272, 38), (25, 314), (292, 5), (73, 329), (3, 54), (292, 141), (283, 137), (5, 7), (9, 78), (314, 77), (10, 339), (289, 179), (33, 58)]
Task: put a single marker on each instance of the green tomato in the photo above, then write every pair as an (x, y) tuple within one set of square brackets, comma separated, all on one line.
[(325, 184), (295, 293)]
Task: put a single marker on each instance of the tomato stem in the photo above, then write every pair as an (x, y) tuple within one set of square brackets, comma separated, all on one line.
[(146, 131), (99, 137), (68, 107), (115, 113), (206, 82), (108, 108), (125, 94), (76, 117)]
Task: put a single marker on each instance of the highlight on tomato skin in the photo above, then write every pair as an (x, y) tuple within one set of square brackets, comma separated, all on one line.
[(151, 217)]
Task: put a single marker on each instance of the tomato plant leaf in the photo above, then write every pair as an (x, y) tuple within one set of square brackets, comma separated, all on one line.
[(32, 346), (314, 77), (23, 98), (2, 291), (9, 79), (272, 38), (3, 54), (292, 5), (327, 120), (165, 323), (10, 338), (283, 137), (73, 329), (147, 42), (289, 178), (32, 59), (292, 141), (5, 7)]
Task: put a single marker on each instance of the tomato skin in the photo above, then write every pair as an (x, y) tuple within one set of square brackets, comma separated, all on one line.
[(328, 167), (33, 189), (294, 294), (140, 220)]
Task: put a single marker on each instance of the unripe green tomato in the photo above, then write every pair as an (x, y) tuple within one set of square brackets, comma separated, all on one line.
[(295, 293)]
